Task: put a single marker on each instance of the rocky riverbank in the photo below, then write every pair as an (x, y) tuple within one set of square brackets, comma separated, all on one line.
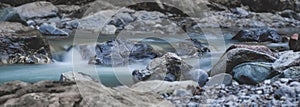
[(249, 73)]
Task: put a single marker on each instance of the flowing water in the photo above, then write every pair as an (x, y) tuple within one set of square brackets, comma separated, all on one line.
[(108, 75)]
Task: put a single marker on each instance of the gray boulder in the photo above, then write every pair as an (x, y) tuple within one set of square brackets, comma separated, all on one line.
[(169, 67), (76, 76), (253, 72), (238, 56), (292, 73), (22, 45), (39, 9), (286, 60)]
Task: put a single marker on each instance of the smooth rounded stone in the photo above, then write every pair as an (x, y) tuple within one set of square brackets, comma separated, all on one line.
[(286, 60), (51, 30), (219, 79), (200, 76), (258, 35), (76, 76), (22, 45), (240, 11), (161, 87), (253, 72), (169, 67), (294, 42), (292, 72), (238, 56), (39, 9)]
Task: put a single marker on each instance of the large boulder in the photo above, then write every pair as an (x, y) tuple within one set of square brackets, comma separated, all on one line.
[(22, 45), (67, 94), (119, 51), (258, 35), (40, 9), (286, 60), (161, 87), (258, 48), (169, 67), (294, 42), (253, 72), (238, 56), (76, 76), (270, 5)]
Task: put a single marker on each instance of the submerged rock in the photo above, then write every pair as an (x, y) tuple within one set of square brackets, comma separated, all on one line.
[(253, 72), (22, 45), (286, 60), (259, 35), (169, 67), (238, 56), (294, 42)]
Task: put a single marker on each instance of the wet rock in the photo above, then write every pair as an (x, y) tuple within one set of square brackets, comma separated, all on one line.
[(169, 67), (294, 43), (158, 86), (220, 79), (259, 35), (121, 50), (22, 45), (37, 10), (253, 72), (9, 14), (292, 72), (51, 30), (54, 93), (238, 56), (286, 60), (76, 76)]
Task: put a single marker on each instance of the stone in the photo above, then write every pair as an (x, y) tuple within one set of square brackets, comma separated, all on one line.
[(76, 76), (169, 67), (294, 42), (109, 29), (51, 30), (290, 14), (40, 9), (286, 60), (258, 35), (22, 45), (239, 11), (122, 50), (258, 48), (220, 79), (238, 56), (200, 76), (9, 14), (253, 72), (160, 87), (292, 72), (55, 93)]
